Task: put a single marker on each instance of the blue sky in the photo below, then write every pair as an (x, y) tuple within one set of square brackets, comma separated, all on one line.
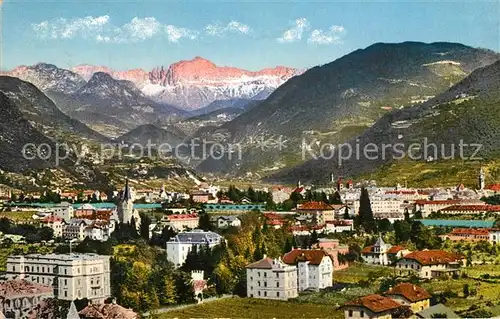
[(249, 34)]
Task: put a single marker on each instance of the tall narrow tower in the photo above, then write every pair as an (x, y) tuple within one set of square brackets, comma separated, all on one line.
[(126, 205), (481, 179)]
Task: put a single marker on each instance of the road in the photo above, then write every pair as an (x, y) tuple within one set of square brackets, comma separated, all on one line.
[(172, 308)]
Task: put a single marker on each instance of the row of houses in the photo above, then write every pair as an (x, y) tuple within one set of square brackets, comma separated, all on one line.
[(425, 263), (404, 300), (491, 235)]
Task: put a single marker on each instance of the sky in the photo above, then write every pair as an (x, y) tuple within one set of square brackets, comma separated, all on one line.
[(245, 34)]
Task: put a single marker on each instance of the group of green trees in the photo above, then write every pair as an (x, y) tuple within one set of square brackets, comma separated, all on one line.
[(31, 232)]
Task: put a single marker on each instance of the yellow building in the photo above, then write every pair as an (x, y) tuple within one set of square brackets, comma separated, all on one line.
[(410, 295), (376, 307)]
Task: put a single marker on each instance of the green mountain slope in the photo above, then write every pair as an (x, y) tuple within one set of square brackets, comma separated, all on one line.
[(463, 123), (339, 100)]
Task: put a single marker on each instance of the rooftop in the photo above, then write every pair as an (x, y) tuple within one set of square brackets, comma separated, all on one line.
[(264, 263), (197, 236), (63, 257), (313, 256), (105, 311), (411, 292), (314, 206), (375, 303), (13, 288), (433, 257)]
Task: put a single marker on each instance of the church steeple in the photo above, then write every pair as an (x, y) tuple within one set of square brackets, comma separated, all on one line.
[(127, 194), (73, 313)]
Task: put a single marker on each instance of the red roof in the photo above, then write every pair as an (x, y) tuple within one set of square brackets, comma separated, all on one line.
[(314, 206), (470, 232), (494, 187), (411, 292), (274, 216), (375, 303), (298, 190), (481, 208), (264, 263), (339, 222), (433, 257), (14, 288), (51, 219), (395, 249), (438, 202), (314, 256), (305, 228), (182, 216)]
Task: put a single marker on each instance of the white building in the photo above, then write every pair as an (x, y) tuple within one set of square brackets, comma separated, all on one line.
[(179, 246), (430, 264), (381, 253), (56, 223), (75, 229), (181, 222), (314, 268), (73, 276), (271, 279), (338, 226), (64, 210), (228, 221), (494, 236)]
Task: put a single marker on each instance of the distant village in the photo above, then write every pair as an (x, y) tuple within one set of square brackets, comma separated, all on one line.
[(297, 240)]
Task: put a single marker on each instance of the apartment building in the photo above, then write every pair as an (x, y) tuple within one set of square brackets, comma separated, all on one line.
[(271, 279), (430, 264), (179, 246), (314, 268), (182, 221), (72, 276)]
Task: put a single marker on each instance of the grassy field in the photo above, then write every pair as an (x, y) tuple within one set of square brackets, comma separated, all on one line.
[(18, 216), (254, 309), (430, 174), (358, 272)]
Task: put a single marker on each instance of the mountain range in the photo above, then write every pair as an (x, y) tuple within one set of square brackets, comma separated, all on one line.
[(366, 95), (339, 100), (465, 114)]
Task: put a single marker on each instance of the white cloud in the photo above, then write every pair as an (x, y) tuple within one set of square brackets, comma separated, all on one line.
[(218, 29), (62, 28), (174, 34), (295, 33), (331, 36), (100, 30), (141, 29)]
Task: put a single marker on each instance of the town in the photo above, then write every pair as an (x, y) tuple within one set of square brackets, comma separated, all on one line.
[(348, 249)]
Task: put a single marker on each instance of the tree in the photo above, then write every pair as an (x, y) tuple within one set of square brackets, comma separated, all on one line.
[(466, 290), (183, 287), (346, 213), (418, 215), (314, 238), (335, 198), (251, 194), (288, 245), (407, 215), (366, 219), (204, 222), (144, 227)]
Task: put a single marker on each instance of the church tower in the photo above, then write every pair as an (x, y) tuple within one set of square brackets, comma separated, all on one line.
[(481, 179), (126, 205)]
